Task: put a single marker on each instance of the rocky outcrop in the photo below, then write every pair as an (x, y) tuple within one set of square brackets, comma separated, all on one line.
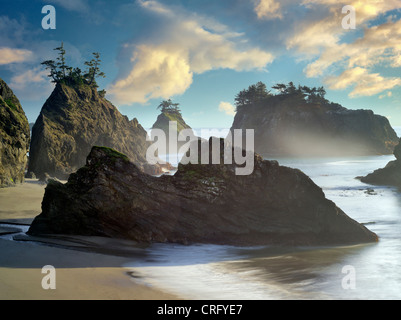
[(111, 197), (71, 122), (14, 138), (172, 122), (284, 127), (390, 175), (166, 117)]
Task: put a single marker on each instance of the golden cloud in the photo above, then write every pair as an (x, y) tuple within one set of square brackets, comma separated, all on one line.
[(227, 108), (365, 83), (9, 55), (380, 44), (188, 45), (268, 9), (157, 73)]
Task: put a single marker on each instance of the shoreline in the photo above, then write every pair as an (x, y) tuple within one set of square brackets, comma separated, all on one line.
[(79, 275), (97, 267), (86, 268)]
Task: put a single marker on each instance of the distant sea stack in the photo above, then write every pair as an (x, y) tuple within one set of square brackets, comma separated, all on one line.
[(111, 197), (390, 175), (171, 115), (73, 120), (14, 138), (299, 121), (166, 117)]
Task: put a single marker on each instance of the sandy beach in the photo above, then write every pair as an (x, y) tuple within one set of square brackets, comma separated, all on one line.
[(81, 274), (22, 201)]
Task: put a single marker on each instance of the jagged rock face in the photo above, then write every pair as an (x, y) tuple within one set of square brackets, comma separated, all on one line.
[(111, 197), (397, 151), (165, 118), (178, 124), (71, 122), (389, 175), (14, 138), (303, 129)]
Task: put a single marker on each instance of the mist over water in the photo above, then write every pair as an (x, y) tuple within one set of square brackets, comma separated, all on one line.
[(203, 133), (224, 272)]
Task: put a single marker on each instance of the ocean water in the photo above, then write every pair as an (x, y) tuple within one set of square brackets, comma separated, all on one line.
[(369, 271)]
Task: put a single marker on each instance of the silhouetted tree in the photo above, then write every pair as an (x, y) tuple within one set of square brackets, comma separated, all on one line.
[(60, 62), (255, 94), (258, 95), (281, 87), (59, 71), (93, 70), (169, 106), (51, 66), (321, 92)]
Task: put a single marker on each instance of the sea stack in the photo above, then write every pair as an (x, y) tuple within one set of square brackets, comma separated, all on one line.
[(201, 203), (171, 123), (74, 119), (299, 121), (389, 175), (14, 138)]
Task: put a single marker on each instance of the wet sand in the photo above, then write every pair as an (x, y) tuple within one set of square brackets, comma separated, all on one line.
[(81, 274)]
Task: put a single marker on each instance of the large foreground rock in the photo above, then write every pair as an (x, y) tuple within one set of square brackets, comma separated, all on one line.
[(14, 138), (111, 197), (71, 122), (390, 175)]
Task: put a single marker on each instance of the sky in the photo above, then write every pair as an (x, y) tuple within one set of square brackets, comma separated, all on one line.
[(201, 53)]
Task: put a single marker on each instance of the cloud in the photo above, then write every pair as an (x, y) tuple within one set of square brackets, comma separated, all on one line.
[(32, 84), (268, 9), (322, 40), (314, 37), (365, 83), (186, 44), (227, 107), (9, 55), (13, 32), (158, 72), (35, 75), (324, 27), (381, 43)]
